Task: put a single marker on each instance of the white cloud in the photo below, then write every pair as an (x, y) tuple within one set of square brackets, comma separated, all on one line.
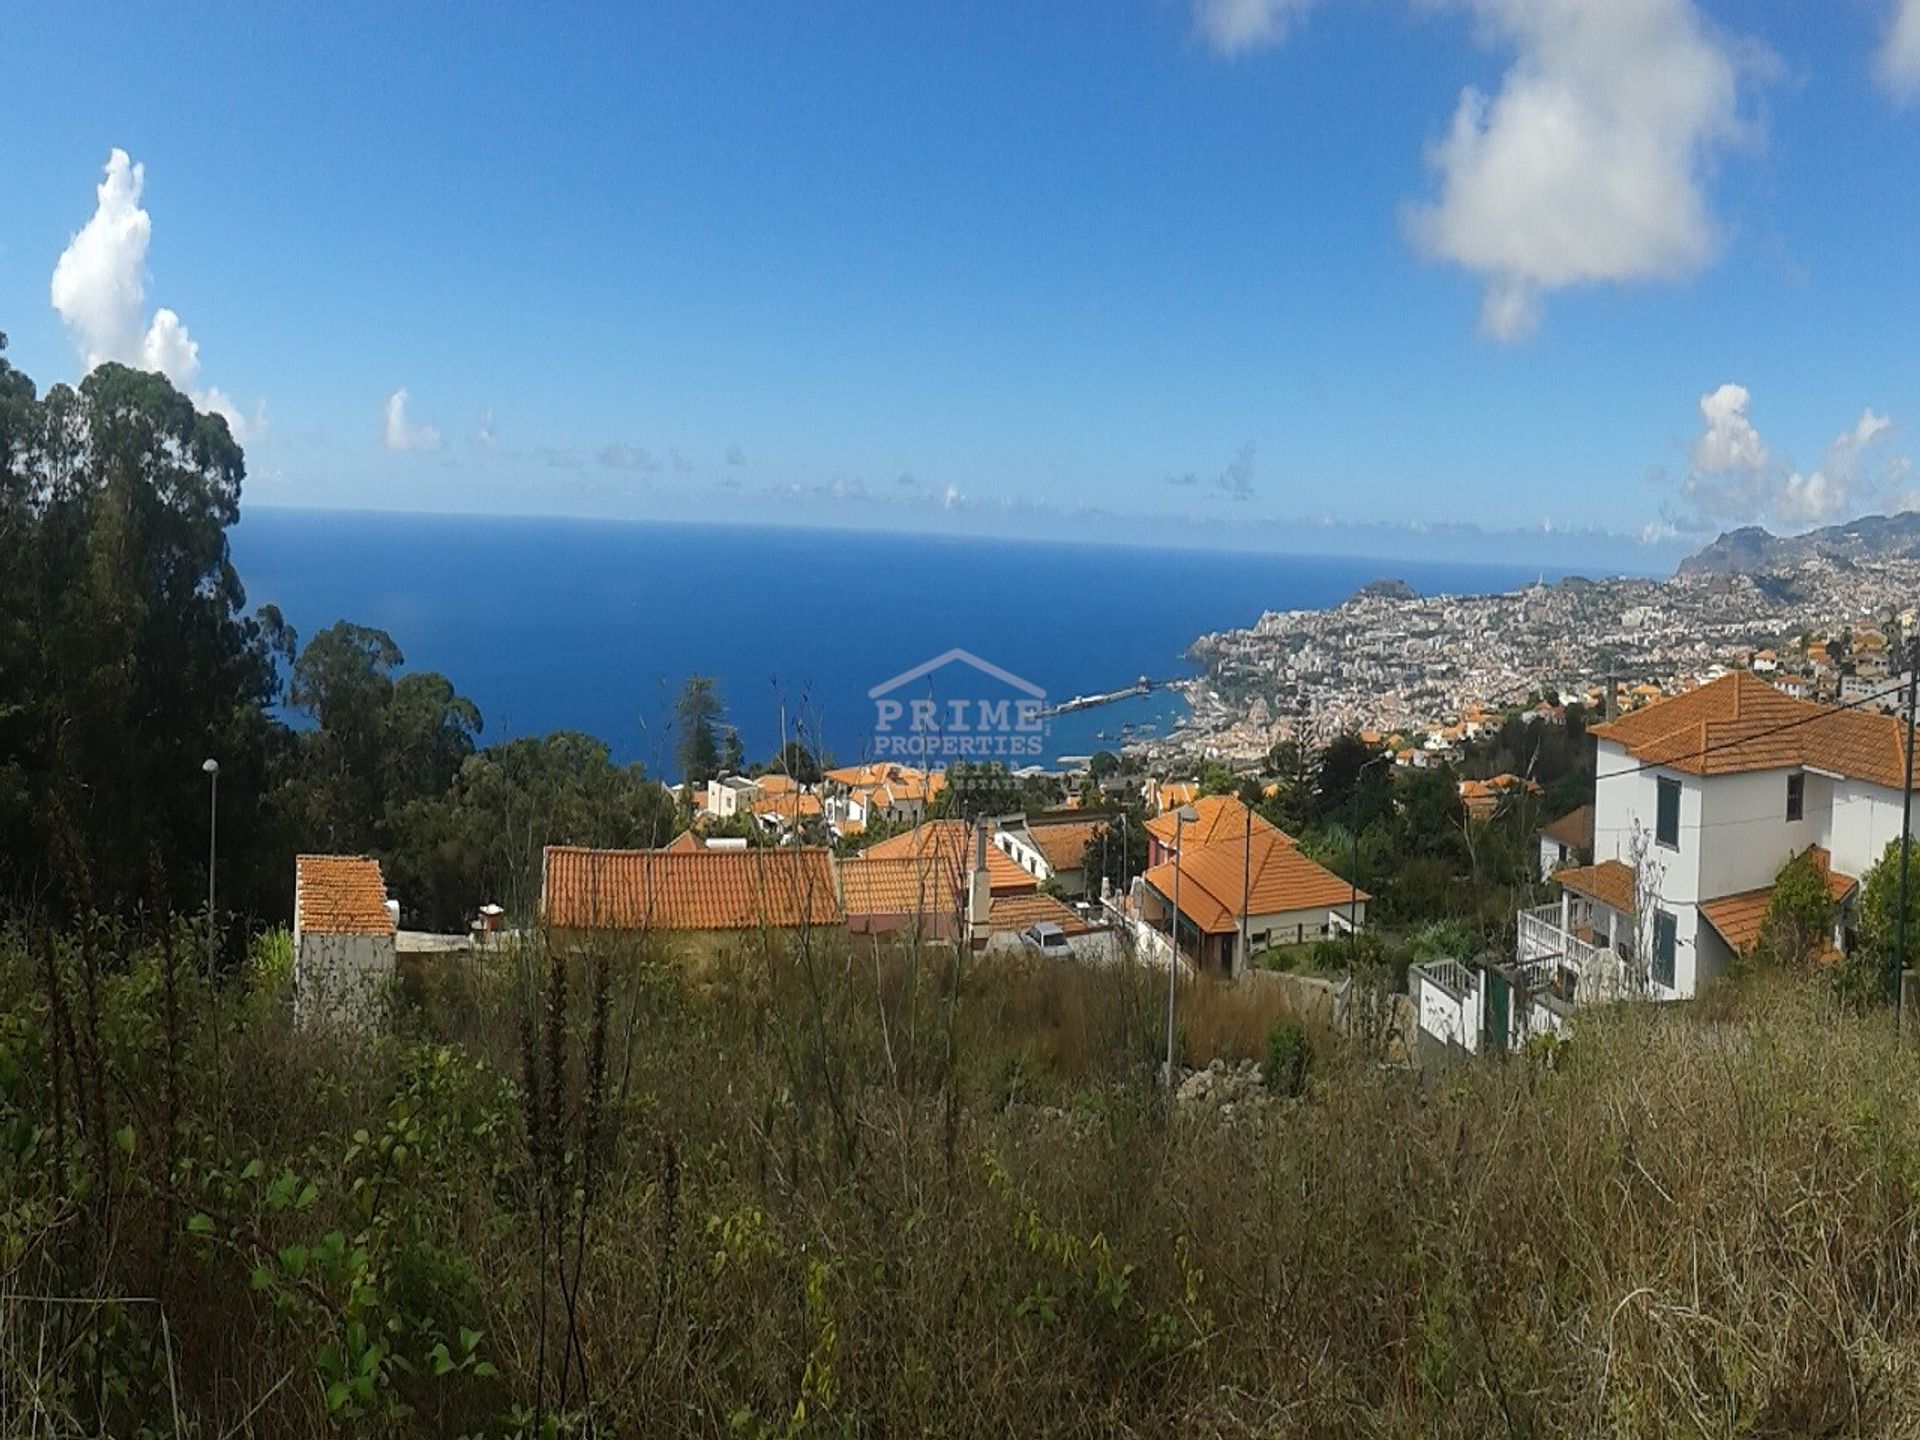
[(99, 289), (483, 435), (1729, 442), (1898, 63), (1233, 27), (1735, 477), (1586, 166), (1829, 493), (403, 434)]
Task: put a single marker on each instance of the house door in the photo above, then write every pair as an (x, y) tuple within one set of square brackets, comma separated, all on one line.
[(1494, 1013)]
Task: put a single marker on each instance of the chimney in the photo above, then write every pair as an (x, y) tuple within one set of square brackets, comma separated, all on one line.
[(979, 888)]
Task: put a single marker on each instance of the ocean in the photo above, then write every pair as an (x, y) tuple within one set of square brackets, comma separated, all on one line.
[(560, 624)]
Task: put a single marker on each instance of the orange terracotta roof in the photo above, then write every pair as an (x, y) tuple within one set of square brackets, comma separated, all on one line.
[(791, 806), (1222, 817), (1574, 829), (1736, 724), (1280, 879), (1610, 882), (858, 777), (1017, 912), (1175, 793), (340, 895), (684, 841), (1064, 842), (1740, 918), (688, 890), (900, 885), (952, 840)]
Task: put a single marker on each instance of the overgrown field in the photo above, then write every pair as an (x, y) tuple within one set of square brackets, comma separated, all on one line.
[(819, 1192)]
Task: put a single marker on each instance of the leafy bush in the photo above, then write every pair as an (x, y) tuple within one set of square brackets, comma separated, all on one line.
[(1288, 1057)]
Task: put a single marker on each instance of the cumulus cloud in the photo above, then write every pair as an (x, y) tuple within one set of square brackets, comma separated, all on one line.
[(403, 434), (1587, 165), (1735, 477), (99, 290), (1233, 27), (1729, 442), (1898, 63), (1827, 494)]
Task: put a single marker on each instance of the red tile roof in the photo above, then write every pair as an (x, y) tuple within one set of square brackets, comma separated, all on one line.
[(1574, 829), (1279, 879), (1017, 912), (1740, 918), (1064, 842), (705, 889), (900, 885), (1740, 722), (952, 840), (1222, 817), (340, 895), (1610, 882)]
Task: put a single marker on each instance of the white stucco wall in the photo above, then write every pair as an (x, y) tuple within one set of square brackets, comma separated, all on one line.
[(1624, 793), (1453, 1019), (341, 979), (1866, 818), (1747, 837)]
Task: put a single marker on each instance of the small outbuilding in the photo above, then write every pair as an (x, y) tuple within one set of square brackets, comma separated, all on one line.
[(343, 939)]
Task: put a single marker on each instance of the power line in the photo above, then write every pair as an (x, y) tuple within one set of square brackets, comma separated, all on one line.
[(1820, 713)]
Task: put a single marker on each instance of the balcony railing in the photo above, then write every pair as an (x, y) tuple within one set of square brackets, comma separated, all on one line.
[(1544, 949)]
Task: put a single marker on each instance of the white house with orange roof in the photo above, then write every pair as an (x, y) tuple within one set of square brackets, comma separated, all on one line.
[(1699, 801), (1243, 886)]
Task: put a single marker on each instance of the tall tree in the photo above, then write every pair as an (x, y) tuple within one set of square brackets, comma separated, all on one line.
[(126, 658), (696, 718)]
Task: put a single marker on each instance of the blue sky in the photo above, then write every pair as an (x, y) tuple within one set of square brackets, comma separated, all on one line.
[(1235, 272)]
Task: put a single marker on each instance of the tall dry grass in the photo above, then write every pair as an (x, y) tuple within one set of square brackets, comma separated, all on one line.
[(849, 1193)]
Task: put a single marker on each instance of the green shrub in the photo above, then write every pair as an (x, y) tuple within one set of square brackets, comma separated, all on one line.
[(1288, 1057)]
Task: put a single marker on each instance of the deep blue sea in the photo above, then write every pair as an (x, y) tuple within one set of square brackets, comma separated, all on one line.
[(554, 624)]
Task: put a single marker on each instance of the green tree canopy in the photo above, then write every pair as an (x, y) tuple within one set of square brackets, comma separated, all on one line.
[(696, 719), (1798, 924), (125, 656)]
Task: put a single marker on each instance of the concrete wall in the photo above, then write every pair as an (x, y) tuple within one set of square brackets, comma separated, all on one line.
[(1451, 1017), (341, 979)]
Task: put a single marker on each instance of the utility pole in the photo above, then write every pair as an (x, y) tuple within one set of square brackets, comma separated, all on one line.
[(1246, 889), (1180, 819), (1906, 845), (1353, 875), (212, 770)]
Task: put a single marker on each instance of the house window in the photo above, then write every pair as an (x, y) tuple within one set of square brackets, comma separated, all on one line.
[(1665, 941), (1666, 825), (1796, 796)]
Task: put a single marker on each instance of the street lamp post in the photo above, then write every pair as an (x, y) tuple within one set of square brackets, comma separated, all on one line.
[(1181, 818), (212, 769), (1353, 870)]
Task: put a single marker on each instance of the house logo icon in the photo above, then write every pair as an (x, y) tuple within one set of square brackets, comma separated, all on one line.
[(959, 707)]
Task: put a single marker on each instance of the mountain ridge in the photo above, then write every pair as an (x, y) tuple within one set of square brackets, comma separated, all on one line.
[(1752, 550)]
